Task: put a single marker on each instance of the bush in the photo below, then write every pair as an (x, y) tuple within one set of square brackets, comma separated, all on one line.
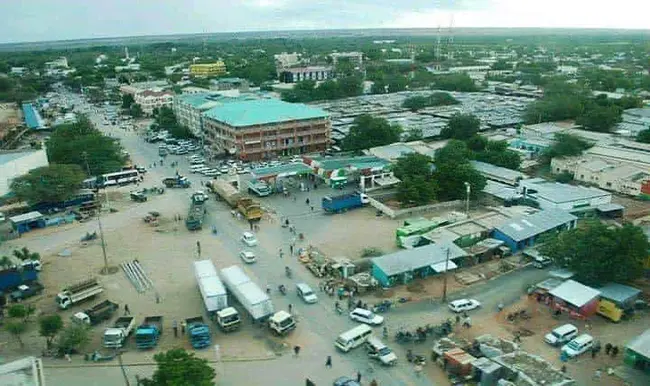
[(371, 252)]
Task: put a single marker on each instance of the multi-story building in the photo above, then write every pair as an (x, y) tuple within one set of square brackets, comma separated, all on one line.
[(265, 129), (355, 58), (208, 69), (189, 108), (285, 60), (293, 75), (150, 100)]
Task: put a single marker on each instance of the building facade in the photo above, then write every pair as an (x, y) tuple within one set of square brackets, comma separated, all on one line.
[(189, 108), (209, 69), (570, 198), (315, 73), (522, 232), (265, 129), (150, 100)]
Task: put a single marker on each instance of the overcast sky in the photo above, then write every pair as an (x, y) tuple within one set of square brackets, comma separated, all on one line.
[(37, 20)]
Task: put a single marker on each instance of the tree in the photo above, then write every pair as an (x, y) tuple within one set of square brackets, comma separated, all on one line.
[(436, 99), (599, 254), (5, 262), (127, 101), (49, 326), (367, 131), (177, 367), (16, 328), (25, 254), (566, 145), (600, 118), (461, 126), (497, 153), (73, 338), (135, 110), (412, 165), (643, 136), (21, 311), (454, 152), (417, 190), (452, 177), (52, 183), (455, 82), (414, 134)]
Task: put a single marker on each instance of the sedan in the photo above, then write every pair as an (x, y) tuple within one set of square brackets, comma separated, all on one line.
[(364, 316), (248, 257), (461, 305), (249, 239), (346, 381)]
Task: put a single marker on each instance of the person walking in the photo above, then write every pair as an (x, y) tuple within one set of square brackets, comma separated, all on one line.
[(296, 350), (358, 376), (328, 362), (198, 247), (126, 310), (290, 307), (614, 351), (608, 348), (175, 328), (281, 253), (183, 324), (307, 201), (291, 249)]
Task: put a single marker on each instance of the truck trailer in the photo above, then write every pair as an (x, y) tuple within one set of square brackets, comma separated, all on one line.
[(78, 293), (97, 313), (250, 296), (344, 202), (195, 215), (13, 277), (212, 290), (176, 182)]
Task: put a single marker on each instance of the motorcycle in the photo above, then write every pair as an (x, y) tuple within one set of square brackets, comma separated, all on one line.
[(382, 307), (404, 337), (287, 271), (415, 359), (282, 289)]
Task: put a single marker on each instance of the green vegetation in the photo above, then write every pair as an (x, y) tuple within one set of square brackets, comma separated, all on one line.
[(80, 143), (53, 183), (14, 89), (461, 126), (164, 119), (599, 254), (306, 91), (643, 136), (493, 152), (417, 186), (73, 337), (135, 110), (453, 169), (178, 367), (455, 82), (49, 326), (367, 131), (127, 101), (436, 99), (566, 145)]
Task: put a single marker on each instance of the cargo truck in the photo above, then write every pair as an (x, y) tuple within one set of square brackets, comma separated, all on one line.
[(212, 290), (282, 323), (198, 332), (116, 336), (176, 182), (250, 209), (250, 296), (260, 188), (195, 215), (344, 202), (25, 291), (13, 277), (78, 293), (226, 191), (149, 332), (228, 319), (97, 313)]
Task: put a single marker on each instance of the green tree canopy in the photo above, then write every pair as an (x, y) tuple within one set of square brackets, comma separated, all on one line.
[(436, 99), (455, 82), (461, 126), (453, 169), (74, 337), (53, 183), (417, 186), (135, 110), (496, 153), (177, 367), (643, 136), (367, 131), (49, 326), (127, 101), (599, 254), (566, 145)]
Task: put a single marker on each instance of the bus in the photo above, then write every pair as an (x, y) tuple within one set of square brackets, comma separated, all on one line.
[(83, 197), (416, 228), (119, 178)]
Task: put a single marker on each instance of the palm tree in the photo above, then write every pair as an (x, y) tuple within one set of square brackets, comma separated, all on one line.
[(25, 254)]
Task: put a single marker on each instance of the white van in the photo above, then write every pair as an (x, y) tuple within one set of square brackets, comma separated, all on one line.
[(306, 293), (379, 351), (353, 338), (578, 346), (561, 335)]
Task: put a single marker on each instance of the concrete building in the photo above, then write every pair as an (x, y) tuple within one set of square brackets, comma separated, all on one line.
[(61, 62), (266, 128), (499, 174), (189, 109), (398, 149), (369, 171), (316, 73), (150, 100), (22, 372), (223, 84), (570, 198), (128, 67), (285, 60), (637, 352), (521, 232), (575, 299), (217, 68), (17, 163), (194, 90), (355, 58)]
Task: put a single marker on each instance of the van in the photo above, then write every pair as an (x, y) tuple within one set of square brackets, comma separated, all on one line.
[(353, 338), (578, 345), (561, 335), (306, 293), (379, 351)]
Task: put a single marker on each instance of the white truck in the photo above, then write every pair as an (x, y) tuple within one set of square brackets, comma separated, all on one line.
[(282, 323), (115, 336), (79, 292), (255, 301), (213, 292)]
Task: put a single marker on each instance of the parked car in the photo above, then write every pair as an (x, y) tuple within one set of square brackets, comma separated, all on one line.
[(247, 256), (462, 305), (561, 335), (364, 316), (345, 381), (306, 293), (578, 345), (249, 239), (211, 173)]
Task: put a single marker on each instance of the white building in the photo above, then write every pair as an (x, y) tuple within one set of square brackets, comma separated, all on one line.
[(554, 195), (355, 58), (285, 60), (17, 163), (22, 372), (150, 100), (61, 62), (317, 73)]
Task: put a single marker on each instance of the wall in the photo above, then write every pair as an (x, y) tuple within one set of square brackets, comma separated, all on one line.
[(408, 212), (380, 276), (19, 166)]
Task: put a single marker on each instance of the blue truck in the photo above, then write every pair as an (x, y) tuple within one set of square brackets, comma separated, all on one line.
[(176, 182), (344, 202), (198, 332), (12, 278), (148, 333)]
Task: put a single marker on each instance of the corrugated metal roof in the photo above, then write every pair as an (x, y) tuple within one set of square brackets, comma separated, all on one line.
[(497, 171), (281, 170), (416, 258), (574, 293), (560, 193), (524, 227), (618, 292), (641, 344), (261, 112)]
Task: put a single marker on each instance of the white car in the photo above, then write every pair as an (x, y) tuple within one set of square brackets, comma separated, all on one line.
[(578, 345), (211, 173), (367, 317), (249, 239), (205, 172), (248, 257), (461, 305)]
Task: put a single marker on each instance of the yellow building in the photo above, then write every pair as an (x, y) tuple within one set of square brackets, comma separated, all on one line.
[(209, 69)]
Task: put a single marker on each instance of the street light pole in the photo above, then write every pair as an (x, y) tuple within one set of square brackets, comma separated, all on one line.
[(444, 278), (468, 190)]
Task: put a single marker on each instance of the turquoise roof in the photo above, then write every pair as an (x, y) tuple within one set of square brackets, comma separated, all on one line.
[(363, 162), (262, 111), (284, 170)]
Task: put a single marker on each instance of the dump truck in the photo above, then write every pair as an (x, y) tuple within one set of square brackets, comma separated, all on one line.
[(176, 182), (226, 191), (13, 277), (250, 296), (26, 290), (149, 332), (213, 292), (260, 188), (195, 215), (198, 332), (116, 335), (344, 202), (228, 319), (250, 209), (78, 293), (282, 323), (97, 313)]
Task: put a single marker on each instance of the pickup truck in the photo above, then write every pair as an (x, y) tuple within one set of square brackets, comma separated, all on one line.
[(116, 336), (25, 291), (148, 333), (198, 332), (97, 313)]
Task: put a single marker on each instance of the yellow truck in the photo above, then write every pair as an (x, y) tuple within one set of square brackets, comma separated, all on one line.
[(249, 208)]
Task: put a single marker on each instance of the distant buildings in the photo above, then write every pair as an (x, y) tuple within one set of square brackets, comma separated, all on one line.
[(217, 68), (61, 62), (150, 95), (557, 196), (128, 67), (285, 60), (16, 163), (355, 58), (521, 232), (189, 109), (316, 73), (33, 119), (222, 84)]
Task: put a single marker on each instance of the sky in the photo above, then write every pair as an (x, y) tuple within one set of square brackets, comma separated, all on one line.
[(41, 20)]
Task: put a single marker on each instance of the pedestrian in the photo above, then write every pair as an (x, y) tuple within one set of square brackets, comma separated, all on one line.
[(268, 289), (467, 322), (296, 350), (457, 318), (328, 362), (594, 350), (563, 369), (175, 328), (250, 223), (183, 324), (290, 307), (358, 376), (291, 249), (312, 208), (126, 310), (281, 253), (198, 247), (614, 351), (307, 201), (608, 348)]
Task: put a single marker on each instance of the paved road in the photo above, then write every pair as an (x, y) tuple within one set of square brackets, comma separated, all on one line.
[(318, 324)]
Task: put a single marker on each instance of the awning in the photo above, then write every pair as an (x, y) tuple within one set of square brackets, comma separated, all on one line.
[(440, 267)]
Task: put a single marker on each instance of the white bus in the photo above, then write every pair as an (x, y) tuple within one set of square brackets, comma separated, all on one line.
[(120, 178)]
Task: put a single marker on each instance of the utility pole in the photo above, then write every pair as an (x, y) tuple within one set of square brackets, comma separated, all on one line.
[(105, 270), (468, 190), (444, 278)]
